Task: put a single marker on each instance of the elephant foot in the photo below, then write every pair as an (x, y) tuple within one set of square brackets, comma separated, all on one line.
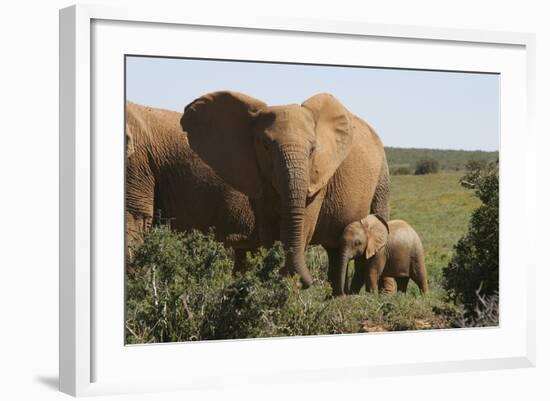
[(306, 284), (283, 271)]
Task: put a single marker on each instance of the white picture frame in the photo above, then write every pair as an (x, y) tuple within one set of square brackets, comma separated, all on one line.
[(94, 359)]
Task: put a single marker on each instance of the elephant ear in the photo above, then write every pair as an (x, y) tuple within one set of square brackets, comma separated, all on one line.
[(219, 130), (377, 234), (129, 140), (135, 128), (333, 138)]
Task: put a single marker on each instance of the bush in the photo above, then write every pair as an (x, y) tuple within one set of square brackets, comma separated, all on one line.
[(402, 170), (426, 166), (171, 283), (475, 165), (251, 305), (485, 314), (472, 275), (180, 287)]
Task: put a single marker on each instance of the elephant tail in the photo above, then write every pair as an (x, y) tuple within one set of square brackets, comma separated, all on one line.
[(418, 271), (381, 201)]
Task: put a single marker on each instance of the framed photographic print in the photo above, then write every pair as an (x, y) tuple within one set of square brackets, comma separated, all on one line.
[(278, 199)]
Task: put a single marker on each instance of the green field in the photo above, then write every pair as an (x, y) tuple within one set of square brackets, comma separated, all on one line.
[(453, 160)]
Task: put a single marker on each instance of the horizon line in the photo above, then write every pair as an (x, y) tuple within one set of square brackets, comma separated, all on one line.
[(442, 149)]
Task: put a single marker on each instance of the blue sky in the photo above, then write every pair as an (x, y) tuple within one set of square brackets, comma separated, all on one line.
[(418, 109)]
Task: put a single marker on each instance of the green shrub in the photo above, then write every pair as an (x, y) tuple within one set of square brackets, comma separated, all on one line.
[(171, 281), (251, 305), (180, 287), (473, 273), (426, 166), (475, 165), (401, 170)]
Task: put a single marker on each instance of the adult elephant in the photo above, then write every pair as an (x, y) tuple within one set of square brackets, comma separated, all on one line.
[(312, 168), (162, 172)]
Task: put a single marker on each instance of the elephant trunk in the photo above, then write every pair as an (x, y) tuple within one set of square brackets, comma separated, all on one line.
[(293, 191), (339, 288)]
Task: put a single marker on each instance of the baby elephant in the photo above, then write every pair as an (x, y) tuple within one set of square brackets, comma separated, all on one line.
[(386, 255)]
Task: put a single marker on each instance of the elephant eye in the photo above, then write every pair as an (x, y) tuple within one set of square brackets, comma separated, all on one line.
[(356, 243), (312, 149)]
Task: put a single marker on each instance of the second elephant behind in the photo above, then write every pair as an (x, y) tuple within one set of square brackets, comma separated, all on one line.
[(385, 254), (163, 173)]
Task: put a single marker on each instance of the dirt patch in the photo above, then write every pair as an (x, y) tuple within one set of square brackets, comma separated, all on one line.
[(371, 327), (368, 326)]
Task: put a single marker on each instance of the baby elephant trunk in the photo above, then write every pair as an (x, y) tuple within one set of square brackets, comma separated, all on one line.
[(339, 284)]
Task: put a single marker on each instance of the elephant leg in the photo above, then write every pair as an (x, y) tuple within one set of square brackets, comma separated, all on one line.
[(359, 277), (402, 283), (419, 275), (239, 262), (374, 268), (136, 225), (333, 269), (267, 221), (371, 284), (389, 285)]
